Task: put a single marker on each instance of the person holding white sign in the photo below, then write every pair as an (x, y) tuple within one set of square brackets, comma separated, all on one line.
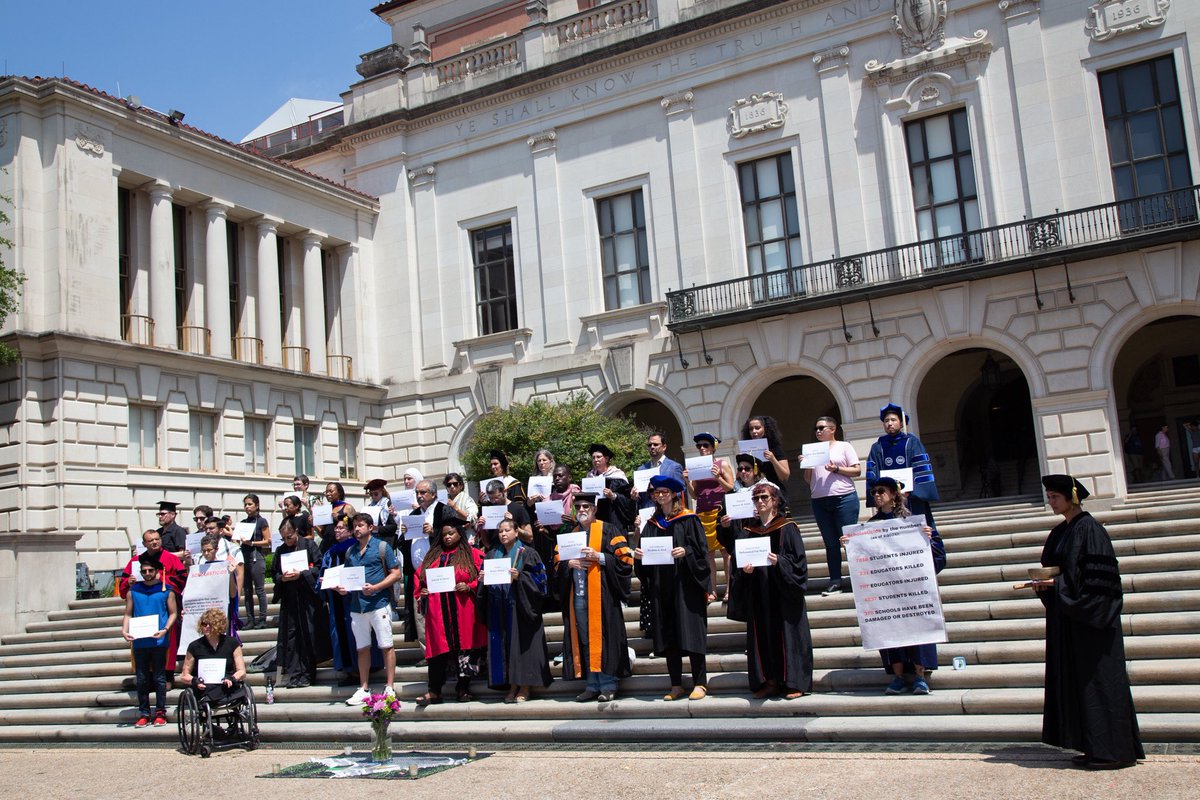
[(173, 574), (214, 645), (369, 608), (498, 469), (299, 643), (214, 550), (378, 497), (834, 498), (335, 498), (454, 636), (150, 597), (542, 478), (899, 449), (709, 492), (341, 632), (678, 591), (775, 467), (457, 498), (293, 511), (614, 503), (518, 657), (771, 601), (656, 443), (515, 510), (592, 589), (562, 492), (920, 659), (256, 564)]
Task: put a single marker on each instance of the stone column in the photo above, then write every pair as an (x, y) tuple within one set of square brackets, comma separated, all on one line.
[(686, 178), (314, 304), (267, 305), (429, 294), (162, 266), (216, 278), (550, 294), (834, 197)]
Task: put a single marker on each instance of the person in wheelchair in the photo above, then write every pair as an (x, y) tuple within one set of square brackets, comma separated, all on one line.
[(214, 653)]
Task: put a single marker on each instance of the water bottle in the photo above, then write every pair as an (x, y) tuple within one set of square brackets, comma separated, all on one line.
[(270, 692)]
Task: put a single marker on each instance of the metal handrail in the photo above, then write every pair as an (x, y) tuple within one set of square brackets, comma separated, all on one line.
[(248, 349), (340, 366), (960, 253), (137, 329), (296, 358), (195, 339)]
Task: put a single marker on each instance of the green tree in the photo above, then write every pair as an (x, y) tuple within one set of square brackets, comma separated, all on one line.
[(10, 285), (565, 429)]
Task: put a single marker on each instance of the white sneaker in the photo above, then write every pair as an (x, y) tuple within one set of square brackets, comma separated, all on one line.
[(388, 691), (359, 697)]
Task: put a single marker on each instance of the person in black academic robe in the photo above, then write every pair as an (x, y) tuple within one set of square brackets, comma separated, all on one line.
[(301, 642), (678, 610), (518, 657), (770, 600), (592, 589), (1088, 704)]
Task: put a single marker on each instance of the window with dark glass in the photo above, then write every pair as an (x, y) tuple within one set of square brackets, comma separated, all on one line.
[(305, 449), (124, 258), (624, 253), (772, 223), (179, 229), (495, 278), (943, 183), (1143, 119), (233, 249)]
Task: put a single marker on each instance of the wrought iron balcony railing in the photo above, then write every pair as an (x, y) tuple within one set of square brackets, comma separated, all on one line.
[(1065, 235)]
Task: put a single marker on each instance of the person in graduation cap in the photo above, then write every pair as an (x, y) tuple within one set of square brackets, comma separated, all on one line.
[(174, 535), (770, 599), (377, 496), (679, 608), (709, 493), (151, 597), (899, 449), (592, 589), (302, 640), (517, 655), (1088, 704), (614, 504), (454, 634)]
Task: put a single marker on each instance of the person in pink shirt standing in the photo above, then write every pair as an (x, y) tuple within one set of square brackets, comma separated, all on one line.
[(1163, 445), (834, 498)]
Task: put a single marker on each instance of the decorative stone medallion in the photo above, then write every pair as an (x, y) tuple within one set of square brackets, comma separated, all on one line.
[(88, 140), (920, 24), (758, 112), (1108, 18)]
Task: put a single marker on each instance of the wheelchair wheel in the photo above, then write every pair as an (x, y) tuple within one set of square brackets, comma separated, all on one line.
[(205, 751), (249, 721), (188, 715)]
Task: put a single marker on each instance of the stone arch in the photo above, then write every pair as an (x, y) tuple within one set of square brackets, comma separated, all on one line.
[(655, 411), (458, 442), (1120, 328), (745, 391)]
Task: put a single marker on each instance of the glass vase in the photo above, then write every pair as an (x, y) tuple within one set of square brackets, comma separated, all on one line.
[(381, 740)]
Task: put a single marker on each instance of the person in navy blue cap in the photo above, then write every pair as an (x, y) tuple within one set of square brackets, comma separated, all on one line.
[(898, 449)]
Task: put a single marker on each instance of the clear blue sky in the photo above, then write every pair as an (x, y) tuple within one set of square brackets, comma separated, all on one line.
[(226, 64)]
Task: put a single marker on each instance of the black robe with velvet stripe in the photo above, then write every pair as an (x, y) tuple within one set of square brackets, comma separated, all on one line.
[(679, 591), (1088, 703), (612, 582)]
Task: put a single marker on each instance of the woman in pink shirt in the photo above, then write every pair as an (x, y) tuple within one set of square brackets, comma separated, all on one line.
[(834, 498)]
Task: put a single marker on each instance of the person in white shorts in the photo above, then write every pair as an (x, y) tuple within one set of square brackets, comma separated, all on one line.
[(370, 609)]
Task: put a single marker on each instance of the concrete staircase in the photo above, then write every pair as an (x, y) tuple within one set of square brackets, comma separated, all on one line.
[(61, 680)]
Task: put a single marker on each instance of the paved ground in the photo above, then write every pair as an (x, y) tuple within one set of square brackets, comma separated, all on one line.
[(1003, 772)]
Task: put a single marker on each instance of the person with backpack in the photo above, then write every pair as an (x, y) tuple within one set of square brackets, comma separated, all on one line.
[(370, 609)]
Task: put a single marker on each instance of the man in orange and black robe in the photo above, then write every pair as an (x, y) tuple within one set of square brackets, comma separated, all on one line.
[(592, 589)]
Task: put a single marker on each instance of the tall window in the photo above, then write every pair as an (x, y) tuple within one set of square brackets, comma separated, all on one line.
[(495, 278), (943, 181), (772, 225), (124, 258), (306, 449), (179, 226), (233, 245), (1147, 149), (348, 439), (143, 436), (256, 444), (285, 311), (202, 441), (624, 253)]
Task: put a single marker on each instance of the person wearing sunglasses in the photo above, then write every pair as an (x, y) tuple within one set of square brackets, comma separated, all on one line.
[(834, 498), (770, 599), (150, 597)]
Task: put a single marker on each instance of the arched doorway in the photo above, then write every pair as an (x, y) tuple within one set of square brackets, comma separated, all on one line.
[(1156, 383), (795, 402), (975, 418), (654, 415)]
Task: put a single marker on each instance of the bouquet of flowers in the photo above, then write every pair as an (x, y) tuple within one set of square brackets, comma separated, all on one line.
[(380, 708)]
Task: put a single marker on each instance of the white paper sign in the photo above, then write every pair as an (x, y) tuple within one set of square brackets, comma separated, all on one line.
[(210, 670), (295, 561), (493, 516), (443, 496), (495, 572), (193, 542), (353, 578), (243, 531), (373, 512), (895, 588), (814, 454), (404, 499), (539, 484), (593, 485), (645, 515), (740, 505), (656, 550), (753, 552), (201, 593), (549, 512), (414, 525), (755, 447), (322, 514), (641, 478), (276, 540), (439, 579), (143, 627), (904, 477), (699, 467), (570, 545), (331, 578)]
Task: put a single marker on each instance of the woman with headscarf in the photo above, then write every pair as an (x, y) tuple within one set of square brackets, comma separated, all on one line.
[(518, 657)]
